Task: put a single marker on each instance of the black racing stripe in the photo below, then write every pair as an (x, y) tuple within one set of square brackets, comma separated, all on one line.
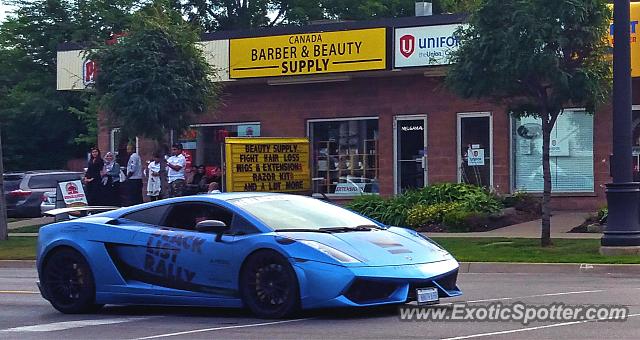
[(400, 251), (129, 272), (386, 244)]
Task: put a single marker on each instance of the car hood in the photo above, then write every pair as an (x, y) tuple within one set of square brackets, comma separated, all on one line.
[(377, 247)]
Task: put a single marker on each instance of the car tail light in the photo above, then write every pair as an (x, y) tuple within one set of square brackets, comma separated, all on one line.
[(44, 198), (19, 194)]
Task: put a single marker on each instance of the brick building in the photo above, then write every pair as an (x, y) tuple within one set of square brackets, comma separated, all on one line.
[(370, 98)]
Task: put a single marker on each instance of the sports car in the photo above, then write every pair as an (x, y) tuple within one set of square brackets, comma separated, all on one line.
[(272, 253)]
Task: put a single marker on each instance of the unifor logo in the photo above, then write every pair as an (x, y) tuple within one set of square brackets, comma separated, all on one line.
[(72, 189), (89, 72), (407, 45)]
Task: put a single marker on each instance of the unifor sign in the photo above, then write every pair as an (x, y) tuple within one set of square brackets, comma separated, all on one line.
[(267, 164), (425, 45), (308, 53)]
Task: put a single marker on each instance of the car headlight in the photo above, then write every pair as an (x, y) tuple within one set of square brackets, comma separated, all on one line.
[(331, 252)]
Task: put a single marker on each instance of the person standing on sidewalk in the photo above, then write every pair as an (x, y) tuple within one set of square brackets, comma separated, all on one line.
[(154, 181), (134, 176), (175, 171), (93, 176)]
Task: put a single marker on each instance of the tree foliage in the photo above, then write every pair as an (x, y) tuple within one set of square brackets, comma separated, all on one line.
[(536, 58), (214, 15), (154, 79), (368, 9), (38, 122)]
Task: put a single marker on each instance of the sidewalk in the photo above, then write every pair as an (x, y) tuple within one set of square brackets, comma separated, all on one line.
[(30, 222), (561, 223)]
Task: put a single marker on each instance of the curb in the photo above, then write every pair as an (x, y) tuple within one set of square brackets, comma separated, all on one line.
[(559, 268), (17, 264)]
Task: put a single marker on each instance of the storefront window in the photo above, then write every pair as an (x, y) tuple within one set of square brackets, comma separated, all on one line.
[(345, 156), (204, 145), (118, 145), (571, 153)]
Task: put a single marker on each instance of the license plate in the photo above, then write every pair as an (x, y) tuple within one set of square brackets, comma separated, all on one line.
[(427, 296)]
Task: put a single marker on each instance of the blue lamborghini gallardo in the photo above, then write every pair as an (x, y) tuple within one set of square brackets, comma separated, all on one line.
[(272, 253)]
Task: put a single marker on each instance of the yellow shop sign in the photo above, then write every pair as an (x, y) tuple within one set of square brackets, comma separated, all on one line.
[(308, 53)]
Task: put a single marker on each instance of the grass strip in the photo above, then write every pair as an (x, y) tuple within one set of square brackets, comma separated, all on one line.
[(464, 250), (529, 250), (18, 248), (26, 229)]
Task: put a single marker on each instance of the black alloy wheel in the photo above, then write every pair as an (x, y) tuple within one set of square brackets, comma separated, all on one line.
[(68, 282), (269, 286)]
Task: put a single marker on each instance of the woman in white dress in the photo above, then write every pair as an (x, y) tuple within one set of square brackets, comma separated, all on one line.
[(153, 184)]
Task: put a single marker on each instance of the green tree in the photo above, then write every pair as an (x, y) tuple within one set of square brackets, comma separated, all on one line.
[(39, 124), (536, 58), (155, 78), (368, 9), (214, 15)]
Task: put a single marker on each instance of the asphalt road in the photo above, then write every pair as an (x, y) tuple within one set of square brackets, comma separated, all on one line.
[(25, 315)]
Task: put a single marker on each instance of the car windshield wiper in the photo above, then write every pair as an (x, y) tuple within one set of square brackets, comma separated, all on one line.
[(304, 230), (363, 227), (370, 226)]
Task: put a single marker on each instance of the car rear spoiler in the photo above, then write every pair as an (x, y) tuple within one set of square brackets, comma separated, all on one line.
[(60, 211)]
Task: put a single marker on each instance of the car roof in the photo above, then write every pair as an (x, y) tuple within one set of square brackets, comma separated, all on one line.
[(228, 196), (225, 197)]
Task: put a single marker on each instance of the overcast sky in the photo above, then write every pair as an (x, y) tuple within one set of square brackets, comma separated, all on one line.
[(3, 10)]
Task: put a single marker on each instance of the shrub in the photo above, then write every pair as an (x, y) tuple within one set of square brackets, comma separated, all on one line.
[(456, 221), (368, 205), (396, 210), (423, 215), (524, 201), (474, 198), (603, 213)]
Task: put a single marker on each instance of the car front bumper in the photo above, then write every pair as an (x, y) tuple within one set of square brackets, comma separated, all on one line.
[(325, 285)]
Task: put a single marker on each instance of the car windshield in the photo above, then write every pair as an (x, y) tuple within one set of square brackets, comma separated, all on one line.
[(298, 212)]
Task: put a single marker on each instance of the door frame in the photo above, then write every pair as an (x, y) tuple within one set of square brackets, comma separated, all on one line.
[(459, 117), (396, 118)]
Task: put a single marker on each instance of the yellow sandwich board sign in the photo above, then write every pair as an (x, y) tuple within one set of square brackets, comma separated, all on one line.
[(267, 164), (308, 53)]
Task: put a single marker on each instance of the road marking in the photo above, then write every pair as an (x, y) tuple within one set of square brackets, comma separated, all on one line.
[(59, 326), (221, 328), (526, 296), (479, 335), (18, 292)]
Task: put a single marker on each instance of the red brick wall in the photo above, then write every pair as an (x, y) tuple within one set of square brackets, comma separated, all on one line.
[(284, 110)]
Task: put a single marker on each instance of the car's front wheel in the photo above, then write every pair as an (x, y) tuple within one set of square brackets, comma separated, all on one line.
[(68, 282), (269, 285)]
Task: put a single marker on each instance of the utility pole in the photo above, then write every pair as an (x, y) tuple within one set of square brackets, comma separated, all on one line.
[(3, 204)]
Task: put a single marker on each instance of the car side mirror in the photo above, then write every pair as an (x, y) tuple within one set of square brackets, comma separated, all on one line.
[(215, 226)]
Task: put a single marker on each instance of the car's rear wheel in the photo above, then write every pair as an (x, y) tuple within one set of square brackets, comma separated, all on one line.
[(269, 285), (68, 282)]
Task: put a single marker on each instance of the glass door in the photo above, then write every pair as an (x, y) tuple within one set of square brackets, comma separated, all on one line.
[(475, 145), (410, 145)]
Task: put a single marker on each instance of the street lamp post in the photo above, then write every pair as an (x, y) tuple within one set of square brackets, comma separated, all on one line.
[(622, 234)]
